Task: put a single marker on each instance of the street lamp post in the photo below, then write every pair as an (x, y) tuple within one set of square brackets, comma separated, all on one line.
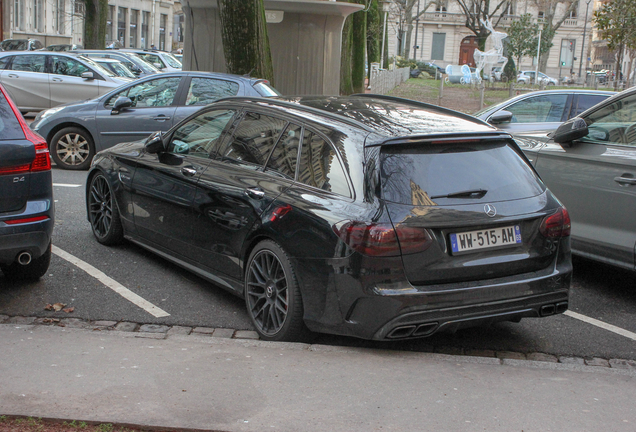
[(583, 44), (536, 70), (417, 24), (385, 8)]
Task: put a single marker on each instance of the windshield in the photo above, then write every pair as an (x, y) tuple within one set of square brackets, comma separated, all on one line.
[(119, 69), (143, 64), (172, 61), (99, 68)]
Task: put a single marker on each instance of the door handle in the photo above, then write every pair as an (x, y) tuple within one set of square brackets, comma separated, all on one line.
[(13, 76), (189, 172), (256, 193), (625, 180), (57, 80), (161, 118)]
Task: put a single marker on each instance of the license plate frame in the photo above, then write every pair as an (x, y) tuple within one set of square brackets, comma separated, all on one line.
[(485, 239)]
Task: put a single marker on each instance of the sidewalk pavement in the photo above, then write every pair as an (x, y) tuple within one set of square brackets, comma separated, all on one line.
[(216, 384)]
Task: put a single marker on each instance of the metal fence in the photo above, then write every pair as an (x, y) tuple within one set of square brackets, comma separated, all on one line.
[(383, 81)]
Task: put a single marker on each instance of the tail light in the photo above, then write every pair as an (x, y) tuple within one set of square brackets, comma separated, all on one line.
[(556, 225), (42, 161), (382, 239)]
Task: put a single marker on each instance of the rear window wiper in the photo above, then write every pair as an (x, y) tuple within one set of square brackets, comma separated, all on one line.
[(476, 193)]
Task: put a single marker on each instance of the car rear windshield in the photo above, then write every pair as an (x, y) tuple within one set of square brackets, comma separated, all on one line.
[(10, 128), (264, 89), (455, 173)]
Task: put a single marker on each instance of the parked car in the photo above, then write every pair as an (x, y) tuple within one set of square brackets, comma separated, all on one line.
[(115, 66), (527, 77), (590, 165), (162, 60), (136, 64), (75, 132), (26, 202), (329, 214), (45, 79), (20, 45), (541, 110), (63, 47)]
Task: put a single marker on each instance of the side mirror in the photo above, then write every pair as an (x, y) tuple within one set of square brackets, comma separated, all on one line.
[(158, 65), (87, 75), (154, 143), (120, 103), (502, 116), (571, 130)]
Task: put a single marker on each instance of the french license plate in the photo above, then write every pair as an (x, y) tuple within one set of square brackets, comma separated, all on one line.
[(483, 239)]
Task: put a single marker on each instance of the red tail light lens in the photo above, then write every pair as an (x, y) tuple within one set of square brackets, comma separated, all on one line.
[(556, 225), (42, 161), (27, 220), (381, 239)]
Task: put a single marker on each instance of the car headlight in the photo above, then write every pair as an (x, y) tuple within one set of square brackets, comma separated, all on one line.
[(47, 113)]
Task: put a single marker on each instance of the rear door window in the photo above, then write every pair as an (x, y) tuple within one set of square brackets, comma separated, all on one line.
[(203, 91), (284, 158), (253, 139), (586, 101), (319, 165), (455, 173), (29, 63)]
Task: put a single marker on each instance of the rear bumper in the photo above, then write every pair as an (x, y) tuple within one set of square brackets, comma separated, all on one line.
[(395, 309), (32, 237)]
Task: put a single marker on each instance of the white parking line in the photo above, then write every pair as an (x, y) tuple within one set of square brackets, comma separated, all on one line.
[(601, 324), (66, 185), (112, 284)]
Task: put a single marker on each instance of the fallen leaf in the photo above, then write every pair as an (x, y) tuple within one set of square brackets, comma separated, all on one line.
[(48, 307), (68, 309), (59, 306)]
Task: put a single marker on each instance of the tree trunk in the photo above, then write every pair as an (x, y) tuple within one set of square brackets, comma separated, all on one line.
[(245, 40), (346, 86), (95, 24), (374, 34), (359, 49)]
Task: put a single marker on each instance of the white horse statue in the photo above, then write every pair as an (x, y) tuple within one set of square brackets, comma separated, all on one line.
[(486, 60)]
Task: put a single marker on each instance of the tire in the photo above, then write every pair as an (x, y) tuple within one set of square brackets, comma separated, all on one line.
[(272, 296), (32, 271), (103, 213), (72, 148)]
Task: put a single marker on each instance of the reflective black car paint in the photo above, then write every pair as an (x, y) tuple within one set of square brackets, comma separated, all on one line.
[(209, 224)]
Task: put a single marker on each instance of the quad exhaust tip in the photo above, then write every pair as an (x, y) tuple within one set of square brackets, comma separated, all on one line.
[(24, 258)]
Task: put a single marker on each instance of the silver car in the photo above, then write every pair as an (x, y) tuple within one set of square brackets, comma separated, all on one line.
[(45, 79), (162, 60), (541, 110), (527, 77), (115, 66), (589, 163)]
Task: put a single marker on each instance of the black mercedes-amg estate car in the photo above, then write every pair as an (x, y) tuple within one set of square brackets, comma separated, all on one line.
[(369, 216)]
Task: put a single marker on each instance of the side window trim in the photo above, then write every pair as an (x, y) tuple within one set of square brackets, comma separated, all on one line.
[(269, 156), (338, 156)]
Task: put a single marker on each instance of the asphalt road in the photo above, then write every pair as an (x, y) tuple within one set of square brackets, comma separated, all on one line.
[(599, 292)]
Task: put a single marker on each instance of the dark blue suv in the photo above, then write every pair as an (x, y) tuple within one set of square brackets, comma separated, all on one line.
[(26, 196)]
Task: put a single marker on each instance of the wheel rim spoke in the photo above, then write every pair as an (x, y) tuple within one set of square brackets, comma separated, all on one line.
[(100, 206), (267, 293)]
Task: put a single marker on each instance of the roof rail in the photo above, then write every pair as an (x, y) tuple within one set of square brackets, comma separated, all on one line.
[(423, 105), (300, 107)]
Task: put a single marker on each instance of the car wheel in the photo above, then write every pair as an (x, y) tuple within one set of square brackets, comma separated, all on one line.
[(103, 213), (272, 295), (34, 270), (72, 148)]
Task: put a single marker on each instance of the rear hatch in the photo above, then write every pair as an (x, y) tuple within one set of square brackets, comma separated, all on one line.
[(479, 202), (16, 156)]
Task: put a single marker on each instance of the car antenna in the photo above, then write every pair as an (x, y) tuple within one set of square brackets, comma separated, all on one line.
[(249, 74)]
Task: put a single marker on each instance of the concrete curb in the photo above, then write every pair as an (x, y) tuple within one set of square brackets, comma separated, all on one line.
[(251, 338)]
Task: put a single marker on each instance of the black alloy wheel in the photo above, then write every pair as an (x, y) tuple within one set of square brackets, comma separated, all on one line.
[(72, 148), (103, 212), (272, 296)]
